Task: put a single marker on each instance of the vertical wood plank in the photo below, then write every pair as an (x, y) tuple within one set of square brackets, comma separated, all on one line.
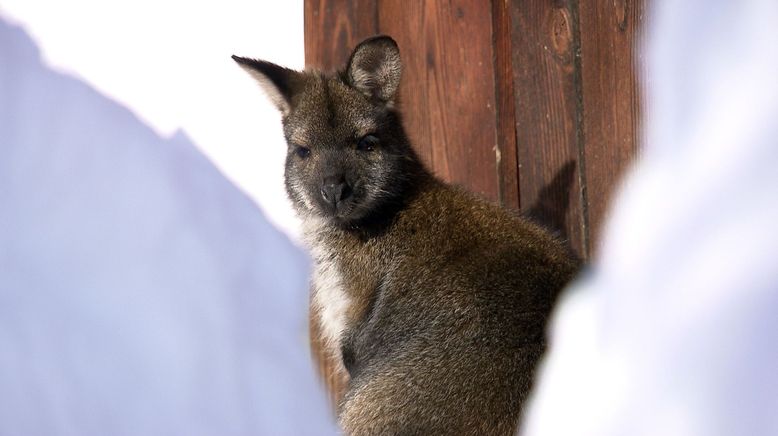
[(611, 98), (447, 94), (332, 29), (544, 41), (507, 160)]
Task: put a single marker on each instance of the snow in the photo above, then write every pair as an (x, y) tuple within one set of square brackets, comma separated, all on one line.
[(674, 330), (140, 291), (169, 63)]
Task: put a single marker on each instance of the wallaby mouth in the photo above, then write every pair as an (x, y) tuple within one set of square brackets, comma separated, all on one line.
[(343, 211)]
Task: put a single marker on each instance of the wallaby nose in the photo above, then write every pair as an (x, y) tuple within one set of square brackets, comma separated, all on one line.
[(335, 190)]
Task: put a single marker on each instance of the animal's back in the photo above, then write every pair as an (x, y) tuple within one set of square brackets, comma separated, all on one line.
[(451, 340)]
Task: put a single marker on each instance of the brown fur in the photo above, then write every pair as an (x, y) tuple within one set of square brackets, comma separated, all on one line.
[(448, 294)]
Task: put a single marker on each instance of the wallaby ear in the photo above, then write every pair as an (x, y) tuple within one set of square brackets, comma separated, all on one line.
[(375, 68), (277, 82)]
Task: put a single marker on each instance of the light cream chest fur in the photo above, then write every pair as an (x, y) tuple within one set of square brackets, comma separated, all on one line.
[(330, 300)]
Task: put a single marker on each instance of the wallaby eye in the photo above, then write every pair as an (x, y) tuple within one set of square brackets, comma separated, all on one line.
[(302, 152), (367, 143)]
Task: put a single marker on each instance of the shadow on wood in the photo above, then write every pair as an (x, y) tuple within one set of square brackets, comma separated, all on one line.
[(550, 208)]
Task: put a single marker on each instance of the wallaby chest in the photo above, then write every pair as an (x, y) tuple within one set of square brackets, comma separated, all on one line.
[(346, 275)]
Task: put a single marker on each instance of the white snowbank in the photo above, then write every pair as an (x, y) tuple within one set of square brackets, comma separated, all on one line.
[(140, 292)]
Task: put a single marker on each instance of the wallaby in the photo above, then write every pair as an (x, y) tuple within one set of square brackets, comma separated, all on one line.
[(434, 300)]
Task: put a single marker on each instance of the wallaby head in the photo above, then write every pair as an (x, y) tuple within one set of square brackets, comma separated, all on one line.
[(348, 158)]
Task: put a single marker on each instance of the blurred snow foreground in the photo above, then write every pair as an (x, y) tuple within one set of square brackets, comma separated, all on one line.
[(675, 332), (140, 292)]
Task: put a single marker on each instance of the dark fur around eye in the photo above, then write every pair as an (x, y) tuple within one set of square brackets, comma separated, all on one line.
[(367, 143), (302, 152)]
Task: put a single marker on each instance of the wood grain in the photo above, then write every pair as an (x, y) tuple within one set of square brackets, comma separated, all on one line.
[(544, 41), (611, 99), (505, 123), (447, 92), (334, 27)]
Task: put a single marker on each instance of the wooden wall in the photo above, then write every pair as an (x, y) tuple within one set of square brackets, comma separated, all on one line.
[(531, 103)]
